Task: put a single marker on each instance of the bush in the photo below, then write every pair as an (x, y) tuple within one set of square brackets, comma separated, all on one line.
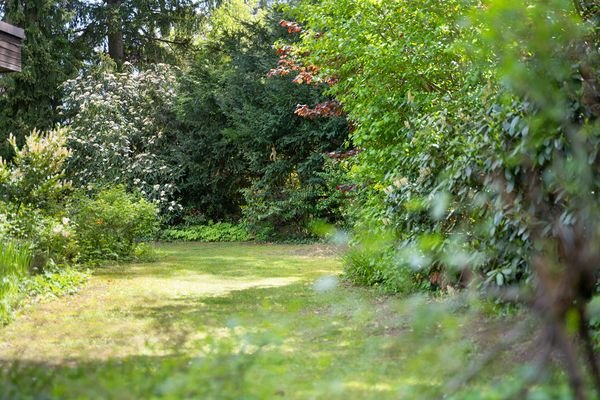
[(218, 232), (112, 223), (287, 210), (118, 130), (53, 282), (33, 198), (35, 177), (380, 268)]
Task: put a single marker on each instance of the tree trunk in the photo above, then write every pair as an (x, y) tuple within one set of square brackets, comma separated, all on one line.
[(115, 32)]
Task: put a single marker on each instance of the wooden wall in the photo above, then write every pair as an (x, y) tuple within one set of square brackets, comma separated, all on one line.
[(11, 39)]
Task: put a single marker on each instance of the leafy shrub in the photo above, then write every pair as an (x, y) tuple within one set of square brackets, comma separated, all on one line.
[(378, 266), (217, 232), (34, 194), (278, 212), (286, 211), (36, 176), (53, 282), (112, 223), (15, 259)]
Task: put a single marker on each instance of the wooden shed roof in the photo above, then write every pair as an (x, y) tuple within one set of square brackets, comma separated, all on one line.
[(12, 30), (11, 39)]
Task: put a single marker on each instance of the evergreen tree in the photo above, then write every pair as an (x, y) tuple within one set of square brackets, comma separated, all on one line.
[(30, 99)]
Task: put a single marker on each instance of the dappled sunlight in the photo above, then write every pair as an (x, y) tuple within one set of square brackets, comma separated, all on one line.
[(130, 311), (190, 332)]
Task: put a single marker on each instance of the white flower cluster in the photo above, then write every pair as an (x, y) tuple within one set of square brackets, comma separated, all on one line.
[(62, 229)]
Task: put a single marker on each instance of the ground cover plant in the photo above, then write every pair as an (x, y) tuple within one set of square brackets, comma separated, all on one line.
[(212, 232)]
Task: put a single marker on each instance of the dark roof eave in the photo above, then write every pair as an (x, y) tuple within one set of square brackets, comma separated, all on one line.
[(12, 30)]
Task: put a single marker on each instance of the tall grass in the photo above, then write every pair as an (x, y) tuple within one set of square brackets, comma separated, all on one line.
[(15, 259)]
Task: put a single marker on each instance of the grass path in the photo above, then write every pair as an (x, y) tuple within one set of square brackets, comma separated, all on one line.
[(146, 309), (230, 321)]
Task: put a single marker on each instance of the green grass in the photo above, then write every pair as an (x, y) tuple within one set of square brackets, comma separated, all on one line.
[(236, 321), (15, 259)]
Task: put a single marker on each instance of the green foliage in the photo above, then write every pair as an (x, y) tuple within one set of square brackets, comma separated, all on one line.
[(64, 36), (33, 198), (479, 124), (15, 260), (35, 177), (447, 116), (51, 55), (38, 205), (237, 128), (112, 223), (213, 232), (53, 283), (414, 99), (142, 32), (595, 320), (287, 211)]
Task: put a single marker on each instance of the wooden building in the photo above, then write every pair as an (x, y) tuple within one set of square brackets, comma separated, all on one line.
[(11, 39)]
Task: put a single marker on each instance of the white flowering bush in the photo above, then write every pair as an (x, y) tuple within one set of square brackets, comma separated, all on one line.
[(118, 129)]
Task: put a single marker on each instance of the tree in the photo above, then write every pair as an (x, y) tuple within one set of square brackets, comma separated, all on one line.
[(238, 128), (119, 124), (31, 99), (142, 31)]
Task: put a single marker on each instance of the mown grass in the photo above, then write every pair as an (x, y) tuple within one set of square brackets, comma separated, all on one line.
[(243, 321)]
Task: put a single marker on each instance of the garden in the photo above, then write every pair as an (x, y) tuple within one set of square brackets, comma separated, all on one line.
[(304, 199)]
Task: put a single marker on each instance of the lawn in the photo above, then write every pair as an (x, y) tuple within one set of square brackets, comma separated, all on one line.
[(235, 321)]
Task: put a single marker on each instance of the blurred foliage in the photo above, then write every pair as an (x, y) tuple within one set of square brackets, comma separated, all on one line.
[(443, 100), (253, 340)]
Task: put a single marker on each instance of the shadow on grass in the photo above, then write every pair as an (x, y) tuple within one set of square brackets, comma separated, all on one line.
[(221, 374), (257, 343), (257, 329)]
